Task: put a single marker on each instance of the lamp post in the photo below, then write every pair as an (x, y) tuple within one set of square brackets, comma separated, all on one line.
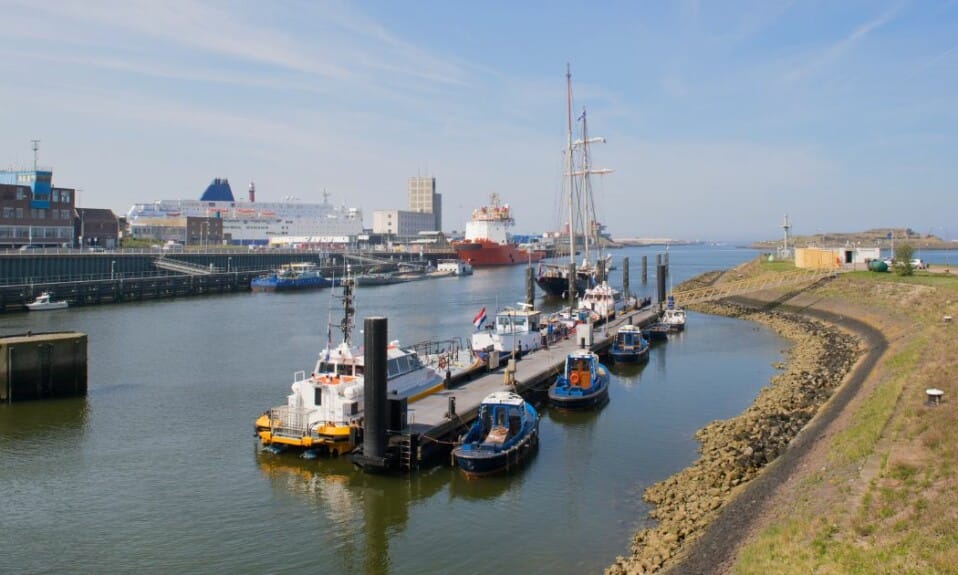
[(112, 269)]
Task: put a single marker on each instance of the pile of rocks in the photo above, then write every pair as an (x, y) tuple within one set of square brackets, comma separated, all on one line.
[(733, 451)]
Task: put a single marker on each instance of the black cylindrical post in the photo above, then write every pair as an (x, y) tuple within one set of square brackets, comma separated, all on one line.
[(660, 281), (452, 406), (571, 289), (625, 277), (374, 386), (600, 271), (530, 287), (645, 269)]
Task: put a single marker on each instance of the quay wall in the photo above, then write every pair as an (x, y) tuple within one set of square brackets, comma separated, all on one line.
[(43, 366)]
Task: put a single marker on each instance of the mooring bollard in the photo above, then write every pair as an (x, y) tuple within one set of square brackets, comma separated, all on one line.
[(934, 396), (452, 407)]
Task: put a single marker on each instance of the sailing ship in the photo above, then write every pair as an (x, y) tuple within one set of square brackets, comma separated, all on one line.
[(487, 241), (553, 278)]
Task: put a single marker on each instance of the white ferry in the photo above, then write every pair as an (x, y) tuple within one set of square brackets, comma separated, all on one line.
[(249, 222)]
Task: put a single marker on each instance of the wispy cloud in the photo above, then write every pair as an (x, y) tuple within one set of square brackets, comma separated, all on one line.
[(836, 51)]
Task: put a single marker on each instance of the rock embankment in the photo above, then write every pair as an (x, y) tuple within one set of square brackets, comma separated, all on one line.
[(735, 450)]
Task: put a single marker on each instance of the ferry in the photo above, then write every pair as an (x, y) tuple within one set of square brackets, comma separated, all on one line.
[(487, 241), (324, 412), (515, 331), (294, 276), (249, 222)]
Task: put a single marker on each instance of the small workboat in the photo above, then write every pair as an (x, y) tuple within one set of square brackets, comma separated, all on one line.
[(600, 301), (672, 316), (629, 346), (45, 301), (294, 276), (505, 433), (325, 409), (584, 382), (657, 331), (515, 332)]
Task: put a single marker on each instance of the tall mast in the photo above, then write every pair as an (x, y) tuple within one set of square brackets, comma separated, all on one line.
[(587, 216), (569, 167)]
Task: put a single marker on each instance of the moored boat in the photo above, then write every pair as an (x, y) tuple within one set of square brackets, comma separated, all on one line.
[(454, 267), (629, 346), (45, 301), (294, 276), (672, 316), (584, 382), (325, 410), (600, 301), (515, 331), (657, 331), (487, 241), (504, 435)]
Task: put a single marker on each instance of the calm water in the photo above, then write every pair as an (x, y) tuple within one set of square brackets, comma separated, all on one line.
[(157, 470)]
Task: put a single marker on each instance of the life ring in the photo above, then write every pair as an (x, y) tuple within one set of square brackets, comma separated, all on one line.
[(442, 363), (574, 378)]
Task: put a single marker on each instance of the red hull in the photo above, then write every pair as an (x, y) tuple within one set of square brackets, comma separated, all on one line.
[(488, 253)]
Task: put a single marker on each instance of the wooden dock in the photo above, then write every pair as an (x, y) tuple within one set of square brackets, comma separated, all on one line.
[(432, 429)]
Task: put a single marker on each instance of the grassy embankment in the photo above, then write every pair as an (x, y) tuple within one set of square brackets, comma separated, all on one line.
[(881, 495)]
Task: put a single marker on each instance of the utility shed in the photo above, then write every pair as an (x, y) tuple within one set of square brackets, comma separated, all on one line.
[(831, 258), (43, 366)]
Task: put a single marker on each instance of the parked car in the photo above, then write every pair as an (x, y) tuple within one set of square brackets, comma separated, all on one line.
[(919, 264), (29, 247)]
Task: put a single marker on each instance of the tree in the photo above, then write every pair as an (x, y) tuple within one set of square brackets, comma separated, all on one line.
[(902, 263)]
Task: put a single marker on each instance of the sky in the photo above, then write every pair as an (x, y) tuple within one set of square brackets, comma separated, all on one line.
[(719, 117)]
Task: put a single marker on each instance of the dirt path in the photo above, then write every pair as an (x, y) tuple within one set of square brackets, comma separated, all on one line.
[(715, 550)]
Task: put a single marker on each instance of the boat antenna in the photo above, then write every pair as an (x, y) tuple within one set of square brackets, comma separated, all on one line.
[(36, 149)]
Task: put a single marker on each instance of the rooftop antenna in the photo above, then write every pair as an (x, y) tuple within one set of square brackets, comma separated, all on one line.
[(786, 226), (36, 148)]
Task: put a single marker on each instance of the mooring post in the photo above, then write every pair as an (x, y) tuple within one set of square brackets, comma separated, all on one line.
[(374, 386), (625, 277), (600, 271), (530, 288), (660, 273), (571, 289), (645, 269)]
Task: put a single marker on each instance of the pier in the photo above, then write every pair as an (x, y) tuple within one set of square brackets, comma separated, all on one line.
[(435, 422)]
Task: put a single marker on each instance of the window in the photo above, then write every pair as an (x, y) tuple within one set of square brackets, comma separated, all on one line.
[(64, 214), (55, 196), (8, 212), (42, 214), (19, 213), (19, 194), (317, 396), (65, 196)]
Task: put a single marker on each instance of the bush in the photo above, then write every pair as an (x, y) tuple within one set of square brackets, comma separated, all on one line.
[(902, 261)]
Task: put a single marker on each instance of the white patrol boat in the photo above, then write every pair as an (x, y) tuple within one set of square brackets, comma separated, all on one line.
[(515, 331), (324, 412)]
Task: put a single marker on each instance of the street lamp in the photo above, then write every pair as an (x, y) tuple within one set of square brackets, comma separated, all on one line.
[(112, 269)]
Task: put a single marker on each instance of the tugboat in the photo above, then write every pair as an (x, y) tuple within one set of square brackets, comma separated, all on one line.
[(325, 411), (629, 346), (583, 384), (505, 433)]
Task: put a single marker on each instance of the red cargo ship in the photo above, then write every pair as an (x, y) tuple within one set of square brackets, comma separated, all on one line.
[(487, 241)]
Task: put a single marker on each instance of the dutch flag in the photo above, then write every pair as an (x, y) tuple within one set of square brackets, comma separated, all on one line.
[(480, 317)]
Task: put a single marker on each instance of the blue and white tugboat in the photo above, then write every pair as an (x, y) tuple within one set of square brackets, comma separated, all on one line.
[(583, 384), (629, 346), (505, 433), (295, 276)]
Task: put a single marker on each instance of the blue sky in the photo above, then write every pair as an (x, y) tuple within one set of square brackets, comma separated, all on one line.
[(720, 117)]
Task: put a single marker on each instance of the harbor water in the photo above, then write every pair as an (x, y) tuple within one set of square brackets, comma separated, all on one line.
[(157, 469)]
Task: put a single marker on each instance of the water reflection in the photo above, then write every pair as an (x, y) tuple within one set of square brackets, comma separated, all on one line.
[(362, 512), (44, 421)]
